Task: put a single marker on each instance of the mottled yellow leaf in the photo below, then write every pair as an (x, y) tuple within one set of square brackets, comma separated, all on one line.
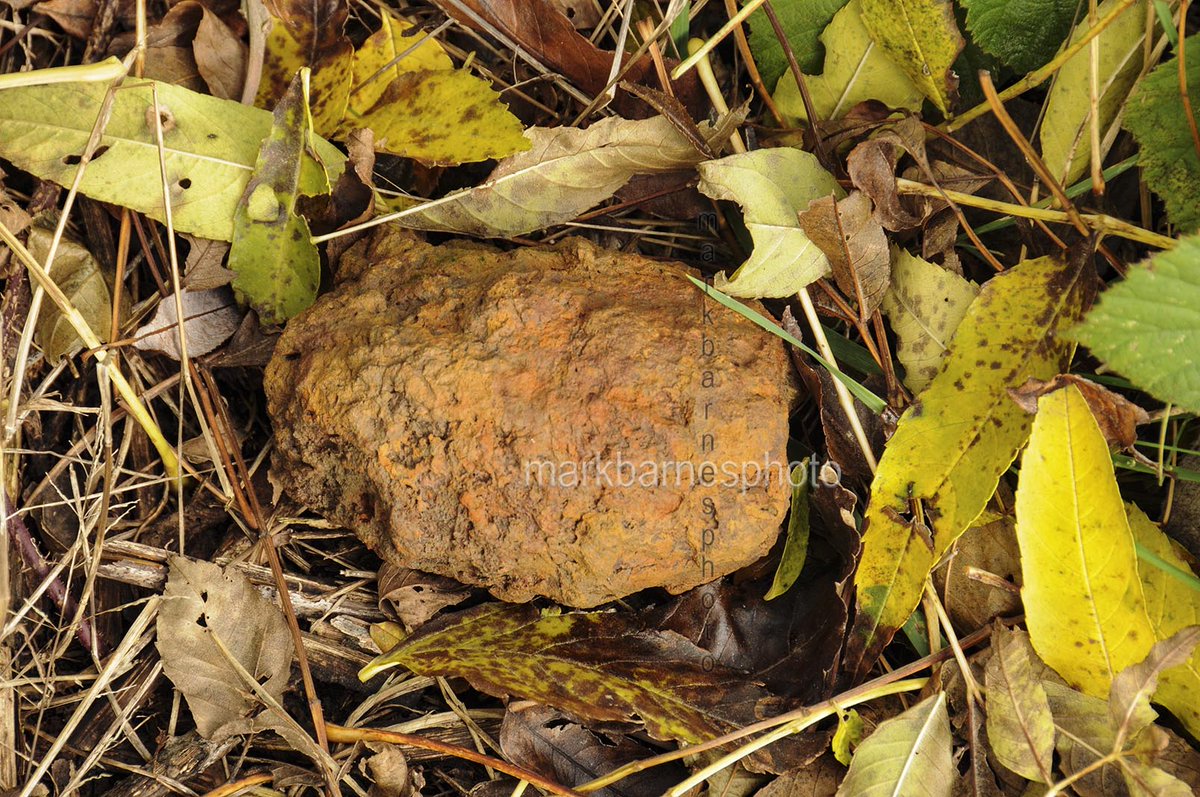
[(924, 304), (1083, 598), (332, 72), (954, 443), (381, 49), (441, 117), (922, 37)]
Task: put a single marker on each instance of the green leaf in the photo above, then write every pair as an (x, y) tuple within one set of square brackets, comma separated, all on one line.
[(564, 173), (79, 274), (924, 304), (1147, 326), (772, 186), (210, 147), (795, 545), (856, 69), (909, 755), (1023, 34), (1066, 129), (802, 22), (276, 265), (600, 666), (1171, 606), (1019, 724), (1166, 150), (922, 37), (1083, 598), (951, 447)]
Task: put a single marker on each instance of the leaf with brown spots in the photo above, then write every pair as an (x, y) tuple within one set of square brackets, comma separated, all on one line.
[(442, 117), (1084, 605), (607, 667), (924, 304), (309, 33), (277, 266), (951, 447), (922, 38)]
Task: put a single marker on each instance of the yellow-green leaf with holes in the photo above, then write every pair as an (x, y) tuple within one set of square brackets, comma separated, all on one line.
[(772, 186), (209, 146), (951, 447), (381, 49), (924, 304), (922, 37), (1066, 129), (1171, 605), (856, 69), (1082, 595), (276, 266), (441, 117)]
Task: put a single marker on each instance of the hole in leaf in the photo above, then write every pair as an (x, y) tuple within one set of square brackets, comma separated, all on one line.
[(185, 183)]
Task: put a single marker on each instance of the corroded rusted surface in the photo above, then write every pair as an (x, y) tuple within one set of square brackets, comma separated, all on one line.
[(423, 401)]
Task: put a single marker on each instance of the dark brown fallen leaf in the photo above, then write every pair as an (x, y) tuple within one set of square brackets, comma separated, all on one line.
[(855, 245), (1117, 416), (75, 16), (819, 778), (548, 742), (545, 33), (981, 580)]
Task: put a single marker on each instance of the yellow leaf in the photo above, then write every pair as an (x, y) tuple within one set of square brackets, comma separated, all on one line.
[(1171, 605), (1083, 598), (447, 116), (378, 52), (922, 38), (954, 443), (924, 304)]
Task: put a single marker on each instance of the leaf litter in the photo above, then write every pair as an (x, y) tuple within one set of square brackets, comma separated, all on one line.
[(1003, 528)]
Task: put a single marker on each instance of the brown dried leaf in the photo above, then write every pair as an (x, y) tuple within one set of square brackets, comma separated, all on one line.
[(84, 282), (855, 245), (981, 581), (553, 41), (220, 57), (203, 601), (210, 318), (1117, 416), (389, 772), (416, 596), (204, 269)]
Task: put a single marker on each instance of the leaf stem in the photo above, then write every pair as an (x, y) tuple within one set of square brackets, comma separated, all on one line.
[(1097, 221)]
